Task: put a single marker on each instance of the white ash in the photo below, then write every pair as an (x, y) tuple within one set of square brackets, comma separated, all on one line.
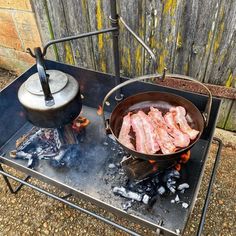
[(177, 200), (183, 186), (105, 143), (127, 194), (171, 188), (111, 166), (171, 182), (127, 205), (161, 190), (145, 199), (185, 205), (111, 137)]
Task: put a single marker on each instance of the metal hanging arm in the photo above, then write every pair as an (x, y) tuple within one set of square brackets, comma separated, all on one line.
[(154, 60), (69, 38)]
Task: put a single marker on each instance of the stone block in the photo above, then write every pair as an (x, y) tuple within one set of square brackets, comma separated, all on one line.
[(16, 4), (27, 29), (8, 32)]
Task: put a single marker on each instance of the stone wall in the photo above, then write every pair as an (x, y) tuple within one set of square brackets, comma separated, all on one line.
[(18, 31)]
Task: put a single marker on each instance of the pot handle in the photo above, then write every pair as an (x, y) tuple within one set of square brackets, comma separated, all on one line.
[(206, 113), (49, 101)]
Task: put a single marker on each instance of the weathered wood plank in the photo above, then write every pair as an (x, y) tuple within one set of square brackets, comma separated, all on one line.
[(77, 21), (185, 36), (231, 121), (59, 24), (99, 12), (224, 111), (132, 53), (161, 31), (44, 26), (206, 21), (222, 60)]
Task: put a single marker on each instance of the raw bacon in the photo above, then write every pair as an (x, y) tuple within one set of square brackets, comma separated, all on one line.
[(124, 136), (138, 128), (163, 138), (179, 117), (153, 132), (149, 130), (180, 139)]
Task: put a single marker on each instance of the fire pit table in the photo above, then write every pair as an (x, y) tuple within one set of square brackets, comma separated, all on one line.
[(96, 170)]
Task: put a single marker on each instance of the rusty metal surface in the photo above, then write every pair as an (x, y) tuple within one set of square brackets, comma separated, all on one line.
[(216, 90)]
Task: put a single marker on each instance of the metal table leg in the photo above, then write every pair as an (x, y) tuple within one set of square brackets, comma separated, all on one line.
[(18, 188), (212, 179), (63, 200)]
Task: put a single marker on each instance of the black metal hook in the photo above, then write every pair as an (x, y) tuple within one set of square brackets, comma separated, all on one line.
[(28, 50)]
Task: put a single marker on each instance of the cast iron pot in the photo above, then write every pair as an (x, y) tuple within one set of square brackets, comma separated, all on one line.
[(163, 101)]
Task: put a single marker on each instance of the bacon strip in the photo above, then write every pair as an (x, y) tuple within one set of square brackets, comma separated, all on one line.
[(124, 136), (180, 139), (150, 134), (163, 138), (138, 128), (179, 117)]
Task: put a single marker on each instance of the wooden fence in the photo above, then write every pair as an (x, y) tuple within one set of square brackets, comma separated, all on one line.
[(192, 37)]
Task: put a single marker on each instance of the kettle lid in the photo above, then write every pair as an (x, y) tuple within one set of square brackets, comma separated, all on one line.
[(57, 81)]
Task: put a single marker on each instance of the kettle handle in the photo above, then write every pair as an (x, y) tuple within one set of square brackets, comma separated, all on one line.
[(49, 101)]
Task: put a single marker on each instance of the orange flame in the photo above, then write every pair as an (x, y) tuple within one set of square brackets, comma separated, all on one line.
[(185, 157), (79, 123), (99, 110)]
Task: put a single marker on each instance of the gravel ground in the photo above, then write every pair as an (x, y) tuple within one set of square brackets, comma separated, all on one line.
[(31, 213)]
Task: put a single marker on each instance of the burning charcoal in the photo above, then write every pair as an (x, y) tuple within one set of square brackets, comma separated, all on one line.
[(156, 180), (146, 199), (127, 194), (171, 174), (68, 157), (161, 190), (127, 205), (183, 186), (28, 143), (23, 155), (177, 200), (111, 166), (171, 182), (170, 187), (148, 189), (32, 161), (140, 190), (185, 205)]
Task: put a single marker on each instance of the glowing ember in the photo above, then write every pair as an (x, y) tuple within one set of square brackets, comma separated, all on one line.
[(99, 110), (79, 123)]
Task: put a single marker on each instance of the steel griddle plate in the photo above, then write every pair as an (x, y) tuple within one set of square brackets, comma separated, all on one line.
[(88, 178)]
